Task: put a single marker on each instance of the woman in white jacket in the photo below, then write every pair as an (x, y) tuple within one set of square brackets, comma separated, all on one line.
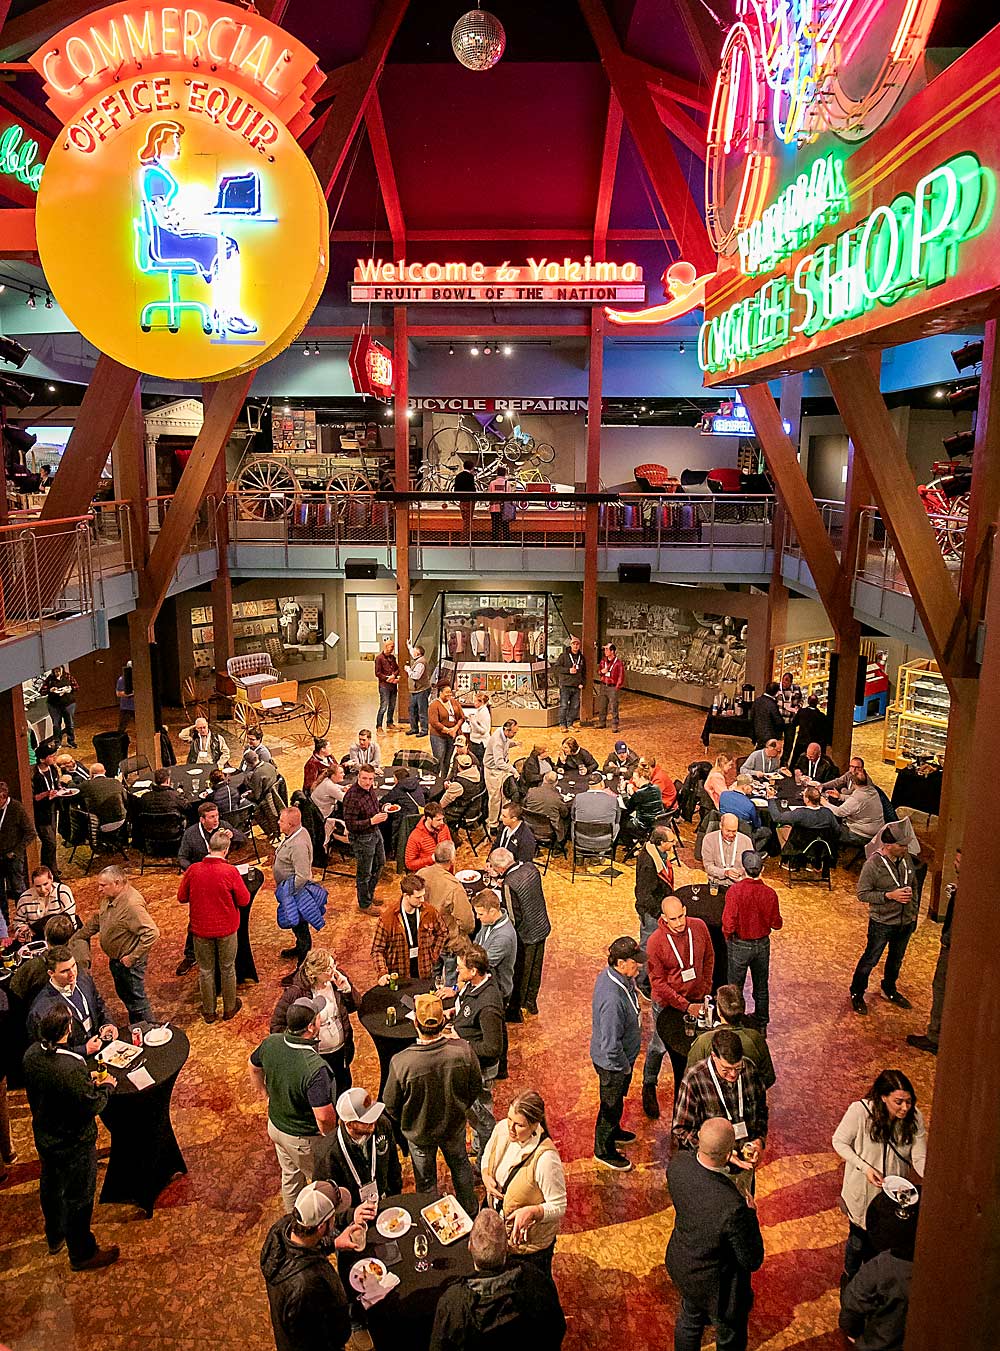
[(880, 1136), (480, 722)]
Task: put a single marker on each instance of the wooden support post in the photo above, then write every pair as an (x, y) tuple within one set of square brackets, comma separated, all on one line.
[(401, 431), (129, 457), (224, 639), (984, 507), (111, 390), (14, 768), (856, 390), (222, 408), (848, 630), (592, 514), (957, 1248)]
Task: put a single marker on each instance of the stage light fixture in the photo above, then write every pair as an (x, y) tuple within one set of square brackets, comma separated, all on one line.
[(962, 443), (969, 355), (306, 352), (12, 392), (680, 348), (12, 352), (487, 350), (939, 394), (316, 351), (963, 396), (48, 300), (51, 388)]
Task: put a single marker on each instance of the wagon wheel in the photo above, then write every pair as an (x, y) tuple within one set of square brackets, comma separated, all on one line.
[(318, 714), (266, 489), (953, 543), (193, 707), (449, 447), (246, 718), (342, 485)]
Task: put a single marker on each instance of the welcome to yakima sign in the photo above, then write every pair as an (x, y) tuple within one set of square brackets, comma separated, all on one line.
[(877, 248), (559, 281)]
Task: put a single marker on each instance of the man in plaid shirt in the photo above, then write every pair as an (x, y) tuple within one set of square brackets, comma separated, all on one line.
[(724, 1085), (409, 936)]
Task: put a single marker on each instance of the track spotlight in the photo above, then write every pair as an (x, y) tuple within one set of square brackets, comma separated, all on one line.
[(473, 351), (680, 348), (32, 299), (487, 350), (508, 351), (12, 352), (969, 355), (451, 349), (48, 300), (307, 351)]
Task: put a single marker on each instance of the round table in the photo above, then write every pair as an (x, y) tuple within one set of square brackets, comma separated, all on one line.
[(371, 1014), (709, 908), (145, 1155), (406, 1316)]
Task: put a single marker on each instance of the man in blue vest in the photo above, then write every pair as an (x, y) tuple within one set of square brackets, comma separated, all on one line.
[(614, 1046)]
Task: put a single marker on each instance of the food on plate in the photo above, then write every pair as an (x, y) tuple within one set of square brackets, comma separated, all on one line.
[(394, 1221), (447, 1219)]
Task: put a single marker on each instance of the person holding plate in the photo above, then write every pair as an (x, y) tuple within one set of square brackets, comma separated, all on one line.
[(524, 1180)]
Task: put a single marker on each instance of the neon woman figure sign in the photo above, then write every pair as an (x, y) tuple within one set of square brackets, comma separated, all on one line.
[(792, 69)]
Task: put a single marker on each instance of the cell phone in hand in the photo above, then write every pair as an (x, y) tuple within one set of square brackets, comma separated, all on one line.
[(388, 1253)]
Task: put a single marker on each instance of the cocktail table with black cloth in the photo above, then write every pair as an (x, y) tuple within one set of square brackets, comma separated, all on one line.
[(371, 1014), (726, 724), (709, 908), (145, 1154), (922, 792), (405, 1318), (193, 780)]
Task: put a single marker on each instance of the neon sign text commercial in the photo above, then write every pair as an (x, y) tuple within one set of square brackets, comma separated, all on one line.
[(911, 244), (816, 198)]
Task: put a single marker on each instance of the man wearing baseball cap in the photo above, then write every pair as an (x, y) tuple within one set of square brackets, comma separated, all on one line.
[(361, 1155), (288, 1067), (614, 1045), (309, 1310), (430, 1089)]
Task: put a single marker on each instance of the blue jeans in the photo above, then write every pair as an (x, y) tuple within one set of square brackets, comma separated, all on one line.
[(655, 1051), (424, 1160), (369, 853), (130, 986), (895, 937), (386, 704), (569, 705), (481, 1117), (647, 927), (62, 720), (692, 1320), (441, 749), (419, 701), (753, 955), (66, 1193)]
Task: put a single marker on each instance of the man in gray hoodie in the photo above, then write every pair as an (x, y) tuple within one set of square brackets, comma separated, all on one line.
[(887, 885)]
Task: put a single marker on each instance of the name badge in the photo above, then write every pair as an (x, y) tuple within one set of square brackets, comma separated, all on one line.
[(413, 952), (688, 973), (369, 1192), (740, 1130)]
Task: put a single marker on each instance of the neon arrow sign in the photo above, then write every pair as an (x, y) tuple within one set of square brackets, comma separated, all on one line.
[(686, 290)]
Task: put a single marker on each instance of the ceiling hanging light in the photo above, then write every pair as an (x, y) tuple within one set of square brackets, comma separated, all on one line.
[(478, 40), (451, 349), (307, 351)]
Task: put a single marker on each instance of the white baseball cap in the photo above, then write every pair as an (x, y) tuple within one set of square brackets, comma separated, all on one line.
[(313, 1206), (357, 1105)]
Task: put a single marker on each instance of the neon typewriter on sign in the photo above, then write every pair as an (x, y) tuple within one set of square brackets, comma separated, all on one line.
[(906, 246)]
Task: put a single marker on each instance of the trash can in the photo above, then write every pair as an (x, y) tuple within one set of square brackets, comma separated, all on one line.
[(110, 749)]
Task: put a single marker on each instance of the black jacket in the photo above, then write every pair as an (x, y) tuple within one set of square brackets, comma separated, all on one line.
[(105, 798), (48, 997), (330, 1162), (825, 768), (650, 888), (812, 724), (568, 678), (874, 1304), (307, 1298), (580, 762), (522, 890), (506, 1311), (767, 720), (479, 1018), (63, 1098), (522, 843), (716, 1242)]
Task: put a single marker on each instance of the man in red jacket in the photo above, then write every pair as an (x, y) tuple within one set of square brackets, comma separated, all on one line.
[(426, 835), (750, 914), (215, 891), (679, 960), (610, 679)]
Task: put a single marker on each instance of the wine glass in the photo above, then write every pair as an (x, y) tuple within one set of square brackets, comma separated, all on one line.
[(420, 1251), (695, 893)]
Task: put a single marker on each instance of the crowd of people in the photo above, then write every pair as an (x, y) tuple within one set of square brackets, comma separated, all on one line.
[(480, 958)]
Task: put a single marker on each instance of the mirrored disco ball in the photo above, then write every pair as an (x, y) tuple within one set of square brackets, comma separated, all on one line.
[(478, 40)]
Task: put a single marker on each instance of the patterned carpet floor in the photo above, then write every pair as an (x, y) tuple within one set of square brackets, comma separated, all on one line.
[(189, 1277)]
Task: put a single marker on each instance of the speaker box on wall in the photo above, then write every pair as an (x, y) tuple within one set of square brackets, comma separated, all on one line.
[(634, 572), (360, 569)]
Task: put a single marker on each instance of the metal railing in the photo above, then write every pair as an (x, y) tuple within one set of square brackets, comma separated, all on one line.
[(113, 538), (203, 534), (46, 574), (833, 514), (505, 521), (877, 563)]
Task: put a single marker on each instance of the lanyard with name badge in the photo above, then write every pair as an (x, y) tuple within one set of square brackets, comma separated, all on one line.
[(687, 972), (633, 999), (739, 1125), (85, 1017), (368, 1191), (412, 936)]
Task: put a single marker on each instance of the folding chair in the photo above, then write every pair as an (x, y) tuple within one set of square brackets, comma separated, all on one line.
[(815, 856), (473, 816), (158, 835), (594, 840), (545, 835)]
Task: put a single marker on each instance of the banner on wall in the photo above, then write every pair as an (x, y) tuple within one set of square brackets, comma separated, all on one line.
[(549, 281), (180, 225), (459, 404)]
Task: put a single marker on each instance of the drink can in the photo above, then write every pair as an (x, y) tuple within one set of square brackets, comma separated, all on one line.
[(390, 1016), (137, 1036)]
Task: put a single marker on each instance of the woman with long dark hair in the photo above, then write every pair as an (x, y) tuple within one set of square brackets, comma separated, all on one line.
[(524, 1180), (883, 1134)]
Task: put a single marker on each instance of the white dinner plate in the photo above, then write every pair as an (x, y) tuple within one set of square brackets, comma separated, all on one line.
[(143, 783), (394, 1222), (468, 875), (357, 1271), (158, 1036)]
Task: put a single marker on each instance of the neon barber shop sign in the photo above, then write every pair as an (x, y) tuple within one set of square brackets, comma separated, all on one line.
[(180, 225), (901, 248)]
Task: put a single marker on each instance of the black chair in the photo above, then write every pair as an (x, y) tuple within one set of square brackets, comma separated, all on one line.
[(242, 819), (79, 833), (338, 847), (474, 817), (281, 788), (158, 836), (808, 856), (545, 835), (132, 764), (420, 760), (404, 826), (593, 840)]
